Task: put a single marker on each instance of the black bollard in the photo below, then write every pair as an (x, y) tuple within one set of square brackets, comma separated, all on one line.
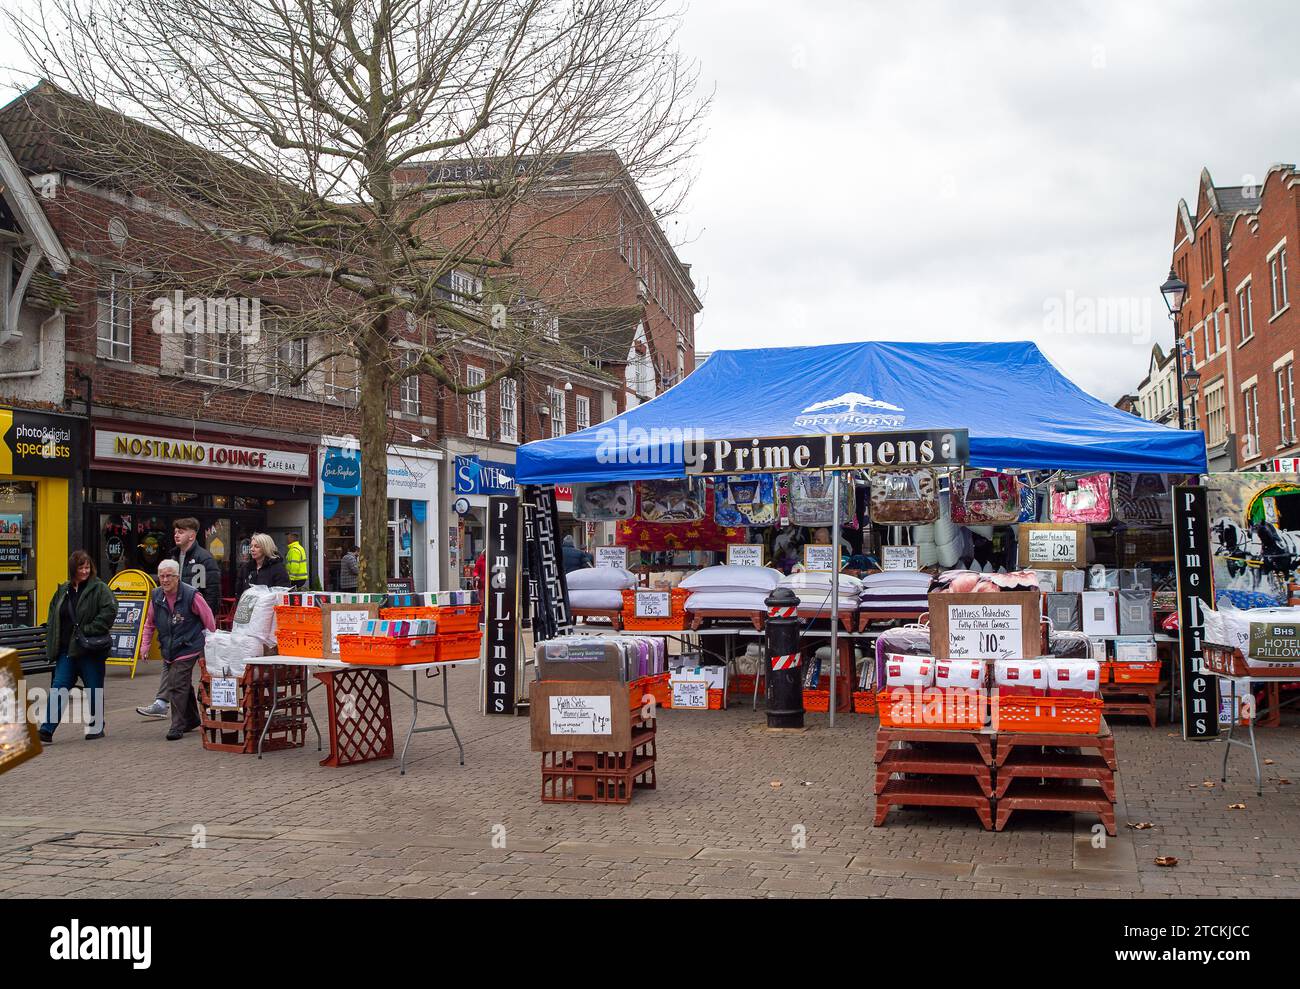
[(784, 670)]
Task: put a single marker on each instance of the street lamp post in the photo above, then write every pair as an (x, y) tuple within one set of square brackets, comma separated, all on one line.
[(1174, 291)]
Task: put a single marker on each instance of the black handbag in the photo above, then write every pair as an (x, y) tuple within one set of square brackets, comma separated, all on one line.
[(92, 643)]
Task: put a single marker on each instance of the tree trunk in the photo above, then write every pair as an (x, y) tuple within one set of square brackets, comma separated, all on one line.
[(373, 381)]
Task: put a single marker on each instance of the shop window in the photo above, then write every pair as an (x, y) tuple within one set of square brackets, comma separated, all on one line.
[(475, 403), (113, 317), (186, 498), (340, 536), (582, 412), (509, 410), (18, 555)]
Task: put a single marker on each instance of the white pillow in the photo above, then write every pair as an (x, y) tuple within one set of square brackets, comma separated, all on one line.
[(732, 578), (596, 600), (817, 580), (600, 579), (891, 577), (727, 601)]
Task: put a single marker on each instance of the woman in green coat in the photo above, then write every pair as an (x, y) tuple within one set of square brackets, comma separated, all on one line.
[(83, 609)]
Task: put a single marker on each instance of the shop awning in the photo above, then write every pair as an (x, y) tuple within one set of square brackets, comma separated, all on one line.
[(1020, 411)]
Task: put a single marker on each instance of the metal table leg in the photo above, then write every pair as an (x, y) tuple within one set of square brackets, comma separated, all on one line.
[(415, 714), (270, 715)]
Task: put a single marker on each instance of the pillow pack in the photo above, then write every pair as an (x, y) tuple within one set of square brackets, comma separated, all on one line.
[(600, 579), (732, 578)]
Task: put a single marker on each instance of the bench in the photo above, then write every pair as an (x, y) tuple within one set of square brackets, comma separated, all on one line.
[(30, 645)]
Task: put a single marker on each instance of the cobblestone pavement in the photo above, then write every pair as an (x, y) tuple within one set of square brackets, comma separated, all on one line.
[(116, 818)]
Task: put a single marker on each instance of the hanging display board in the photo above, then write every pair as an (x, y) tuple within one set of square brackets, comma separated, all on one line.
[(1193, 567), (834, 451), (500, 667), (568, 716)]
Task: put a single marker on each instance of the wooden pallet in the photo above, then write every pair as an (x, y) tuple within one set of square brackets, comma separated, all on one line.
[(1027, 764), (1025, 794), (1103, 742), (963, 758), (956, 792), (1131, 700), (935, 761)]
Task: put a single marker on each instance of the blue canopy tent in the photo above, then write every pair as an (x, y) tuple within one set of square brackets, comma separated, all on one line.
[(1020, 411)]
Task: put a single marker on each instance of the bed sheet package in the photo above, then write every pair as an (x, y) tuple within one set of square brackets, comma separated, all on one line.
[(895, 590), (1136, 651), (1065, 612), (1073, 677), (969, 674), (904, 497), (909, 671), (1135, 614), (672, 501), (1071, 644), (405, 628), (728, 601), (1021, 676), (986, 498), (422, 599), (910, 640), (807, 496), (1090, 502), (1100, 615), (813, 589)]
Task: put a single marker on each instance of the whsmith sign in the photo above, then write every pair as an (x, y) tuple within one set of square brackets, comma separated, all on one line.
[(834, 451)]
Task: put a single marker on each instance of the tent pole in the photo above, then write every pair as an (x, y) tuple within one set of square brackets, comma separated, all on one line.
[(835, 585)]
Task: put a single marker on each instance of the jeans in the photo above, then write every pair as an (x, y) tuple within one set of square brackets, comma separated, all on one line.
[(67, 671)]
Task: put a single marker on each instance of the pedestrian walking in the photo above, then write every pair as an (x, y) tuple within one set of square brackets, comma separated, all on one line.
[(198, 569), (78, 642), (179, 616)]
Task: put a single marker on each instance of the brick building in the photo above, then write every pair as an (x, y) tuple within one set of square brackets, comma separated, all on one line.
[(1236, 254)]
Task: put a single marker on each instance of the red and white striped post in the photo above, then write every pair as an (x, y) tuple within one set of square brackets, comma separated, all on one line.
[(785, 673)]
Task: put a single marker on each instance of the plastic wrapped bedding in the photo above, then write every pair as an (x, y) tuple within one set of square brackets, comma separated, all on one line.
[(600, 579), (589, 657), (910, 640), (1069, 645), (1230, 627), (596, 600), (727, 601), (733, 578)]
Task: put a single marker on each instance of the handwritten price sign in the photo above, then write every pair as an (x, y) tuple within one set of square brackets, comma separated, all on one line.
[(653, 604), (985, 631), (611, 556), (577, 715), (1053, 546)]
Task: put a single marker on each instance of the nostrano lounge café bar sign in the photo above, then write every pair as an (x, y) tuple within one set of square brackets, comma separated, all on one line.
[(834, 451)]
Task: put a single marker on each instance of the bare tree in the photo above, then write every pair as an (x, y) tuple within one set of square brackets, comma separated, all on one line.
[(342, 158)]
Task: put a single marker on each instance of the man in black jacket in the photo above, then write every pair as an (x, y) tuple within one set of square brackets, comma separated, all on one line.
[(198, 569)]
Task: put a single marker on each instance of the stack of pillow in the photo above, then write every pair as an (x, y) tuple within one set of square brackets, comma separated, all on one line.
[(598, 588), (730, 588), (896, 590), (813, 589)]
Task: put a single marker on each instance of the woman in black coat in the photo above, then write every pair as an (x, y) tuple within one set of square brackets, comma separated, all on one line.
[(264, 566), (82, 609)]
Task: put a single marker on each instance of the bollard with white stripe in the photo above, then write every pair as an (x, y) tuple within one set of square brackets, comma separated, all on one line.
[(784, 674)]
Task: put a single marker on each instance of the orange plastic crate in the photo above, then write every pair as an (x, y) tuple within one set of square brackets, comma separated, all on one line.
[(1136, 672), (1107, 672), (743, 683), (292, 619), (306, 643), (458, 618), (864, 702), (715, 700), (657, 686), (463, 645), (408, 614), (676, 620), (1065, 715), (944, 709), (387, 650)]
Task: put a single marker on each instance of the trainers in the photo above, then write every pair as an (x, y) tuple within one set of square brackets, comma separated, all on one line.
[(158, 709)]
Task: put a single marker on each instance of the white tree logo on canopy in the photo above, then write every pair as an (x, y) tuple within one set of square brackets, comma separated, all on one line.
[(843, 412)]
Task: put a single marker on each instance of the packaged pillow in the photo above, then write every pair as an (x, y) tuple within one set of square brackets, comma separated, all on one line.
[(1073, 677), (1020, 676), (909, 671), (596, 600), (727, 601), (607, 502), (255, 614), (600, 579), (904, 497), (820, 580), (732, 578), (746, 499)]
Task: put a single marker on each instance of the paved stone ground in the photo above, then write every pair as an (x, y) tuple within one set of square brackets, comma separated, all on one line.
[(115, 818)]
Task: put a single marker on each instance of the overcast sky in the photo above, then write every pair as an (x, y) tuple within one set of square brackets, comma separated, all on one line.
[(968, 171)]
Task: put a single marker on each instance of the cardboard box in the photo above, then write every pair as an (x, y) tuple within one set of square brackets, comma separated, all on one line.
[(1065, 612), (1100, 613), (579, 716), (1006, 625), (1135, 616)]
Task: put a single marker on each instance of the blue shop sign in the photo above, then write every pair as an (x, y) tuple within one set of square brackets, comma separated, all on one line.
[(484, 477), (341, 474)]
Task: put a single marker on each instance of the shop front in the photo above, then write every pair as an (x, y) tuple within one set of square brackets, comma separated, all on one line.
[(140, 482), (413, 558), (39, 455)]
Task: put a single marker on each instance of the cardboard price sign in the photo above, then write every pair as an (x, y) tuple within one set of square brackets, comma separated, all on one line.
[(577, 717), (611, 556), (653, 604), (1051, 546), (343, 619), (820, 557), (972, 626), (691, 695)]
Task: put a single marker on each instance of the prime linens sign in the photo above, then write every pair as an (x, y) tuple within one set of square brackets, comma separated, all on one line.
[(834, 451)]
